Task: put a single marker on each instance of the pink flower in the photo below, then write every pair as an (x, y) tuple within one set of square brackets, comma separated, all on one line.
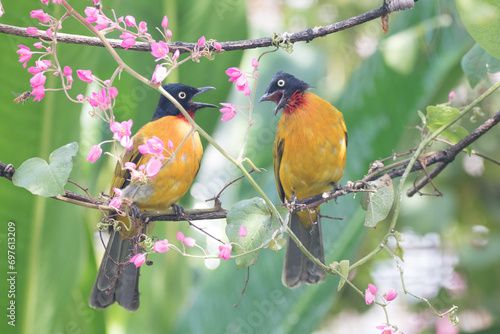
[(80, 97), (243, 231), (128, 40), (201, 42), (153, 166), (164, 22), (115, 203), (239, 79), (386, 329), (117, 191), (92, 14), (255, 63), (217, 46), (390, 295), (85, 75), (242, 85), (39, 14), (130, 21), (25, 54), (451, 95), (38, 92), (32, 31), (130, 165), (38, 45), (170, 144), (41, 65), (159, 74), (94, 153), (102, 22), (180, 236), (234, 73), (121, 129), (38, 80), (161, 246), (225, 251), (45, 2), (168, 33), (176, 55), (100, 100), (159, 50), (188, 241), (113, 92), (143, 27), (67, 72), (153, 146), (127, 142), (138, 259), (229, 112), (370, 294)]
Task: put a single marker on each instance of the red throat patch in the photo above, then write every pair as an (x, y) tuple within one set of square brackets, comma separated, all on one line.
[(190, 112), (295, 101)]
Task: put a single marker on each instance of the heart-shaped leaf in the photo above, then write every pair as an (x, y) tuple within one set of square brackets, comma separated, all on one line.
[(46, 179), (378, 204), (263, 229)]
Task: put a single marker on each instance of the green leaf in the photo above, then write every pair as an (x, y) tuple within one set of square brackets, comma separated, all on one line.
[(343, 268), (379, 203), (477, 63), (47, 179), (262, 228), (439, 115), (482, 20)]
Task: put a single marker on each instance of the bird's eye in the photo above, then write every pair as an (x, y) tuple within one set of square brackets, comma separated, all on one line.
[(281, 83), (182, 95)]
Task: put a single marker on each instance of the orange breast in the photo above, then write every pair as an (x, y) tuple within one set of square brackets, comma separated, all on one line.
[(313, 148), (177, 174)]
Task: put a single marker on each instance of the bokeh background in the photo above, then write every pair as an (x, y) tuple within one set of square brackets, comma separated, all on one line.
[(452, 243)]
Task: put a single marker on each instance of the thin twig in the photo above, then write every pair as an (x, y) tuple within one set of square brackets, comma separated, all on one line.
[(244, 288)]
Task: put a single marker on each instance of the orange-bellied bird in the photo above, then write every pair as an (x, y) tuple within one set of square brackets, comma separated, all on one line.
[(309, 158), (120, 283)]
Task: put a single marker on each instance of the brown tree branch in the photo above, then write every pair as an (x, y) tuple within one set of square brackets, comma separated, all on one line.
[(443, 157), (301, 36)]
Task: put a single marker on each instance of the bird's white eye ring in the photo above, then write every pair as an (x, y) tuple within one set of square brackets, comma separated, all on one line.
[(182, 95), (281, 83)]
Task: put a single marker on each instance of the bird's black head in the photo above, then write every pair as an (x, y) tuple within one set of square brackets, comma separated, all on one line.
[(281, 89), (183, 94)]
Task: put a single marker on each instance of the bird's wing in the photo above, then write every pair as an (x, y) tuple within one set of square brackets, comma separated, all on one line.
[(279, 145)]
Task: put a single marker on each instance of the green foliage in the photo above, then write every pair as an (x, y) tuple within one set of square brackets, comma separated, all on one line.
[(261, 227), (477, 63), (343, 268), (47, 179), (378, 204), (482, 20), (439, 115)]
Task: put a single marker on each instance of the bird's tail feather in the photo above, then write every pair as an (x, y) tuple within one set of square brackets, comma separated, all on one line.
[(298, 268), (115, 282)]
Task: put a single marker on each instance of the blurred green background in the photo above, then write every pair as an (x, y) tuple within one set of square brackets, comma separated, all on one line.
[(378, 81)]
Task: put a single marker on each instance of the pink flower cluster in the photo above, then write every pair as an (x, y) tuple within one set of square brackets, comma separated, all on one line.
[(372, 291), (121, 132), (239, 78), (188, 241)]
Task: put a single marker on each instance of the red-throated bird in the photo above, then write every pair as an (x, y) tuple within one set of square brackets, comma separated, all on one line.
[(120, 283), (309, 158)]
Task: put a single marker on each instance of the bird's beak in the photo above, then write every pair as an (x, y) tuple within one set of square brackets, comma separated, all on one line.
[(199, 105), (276, 97)]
